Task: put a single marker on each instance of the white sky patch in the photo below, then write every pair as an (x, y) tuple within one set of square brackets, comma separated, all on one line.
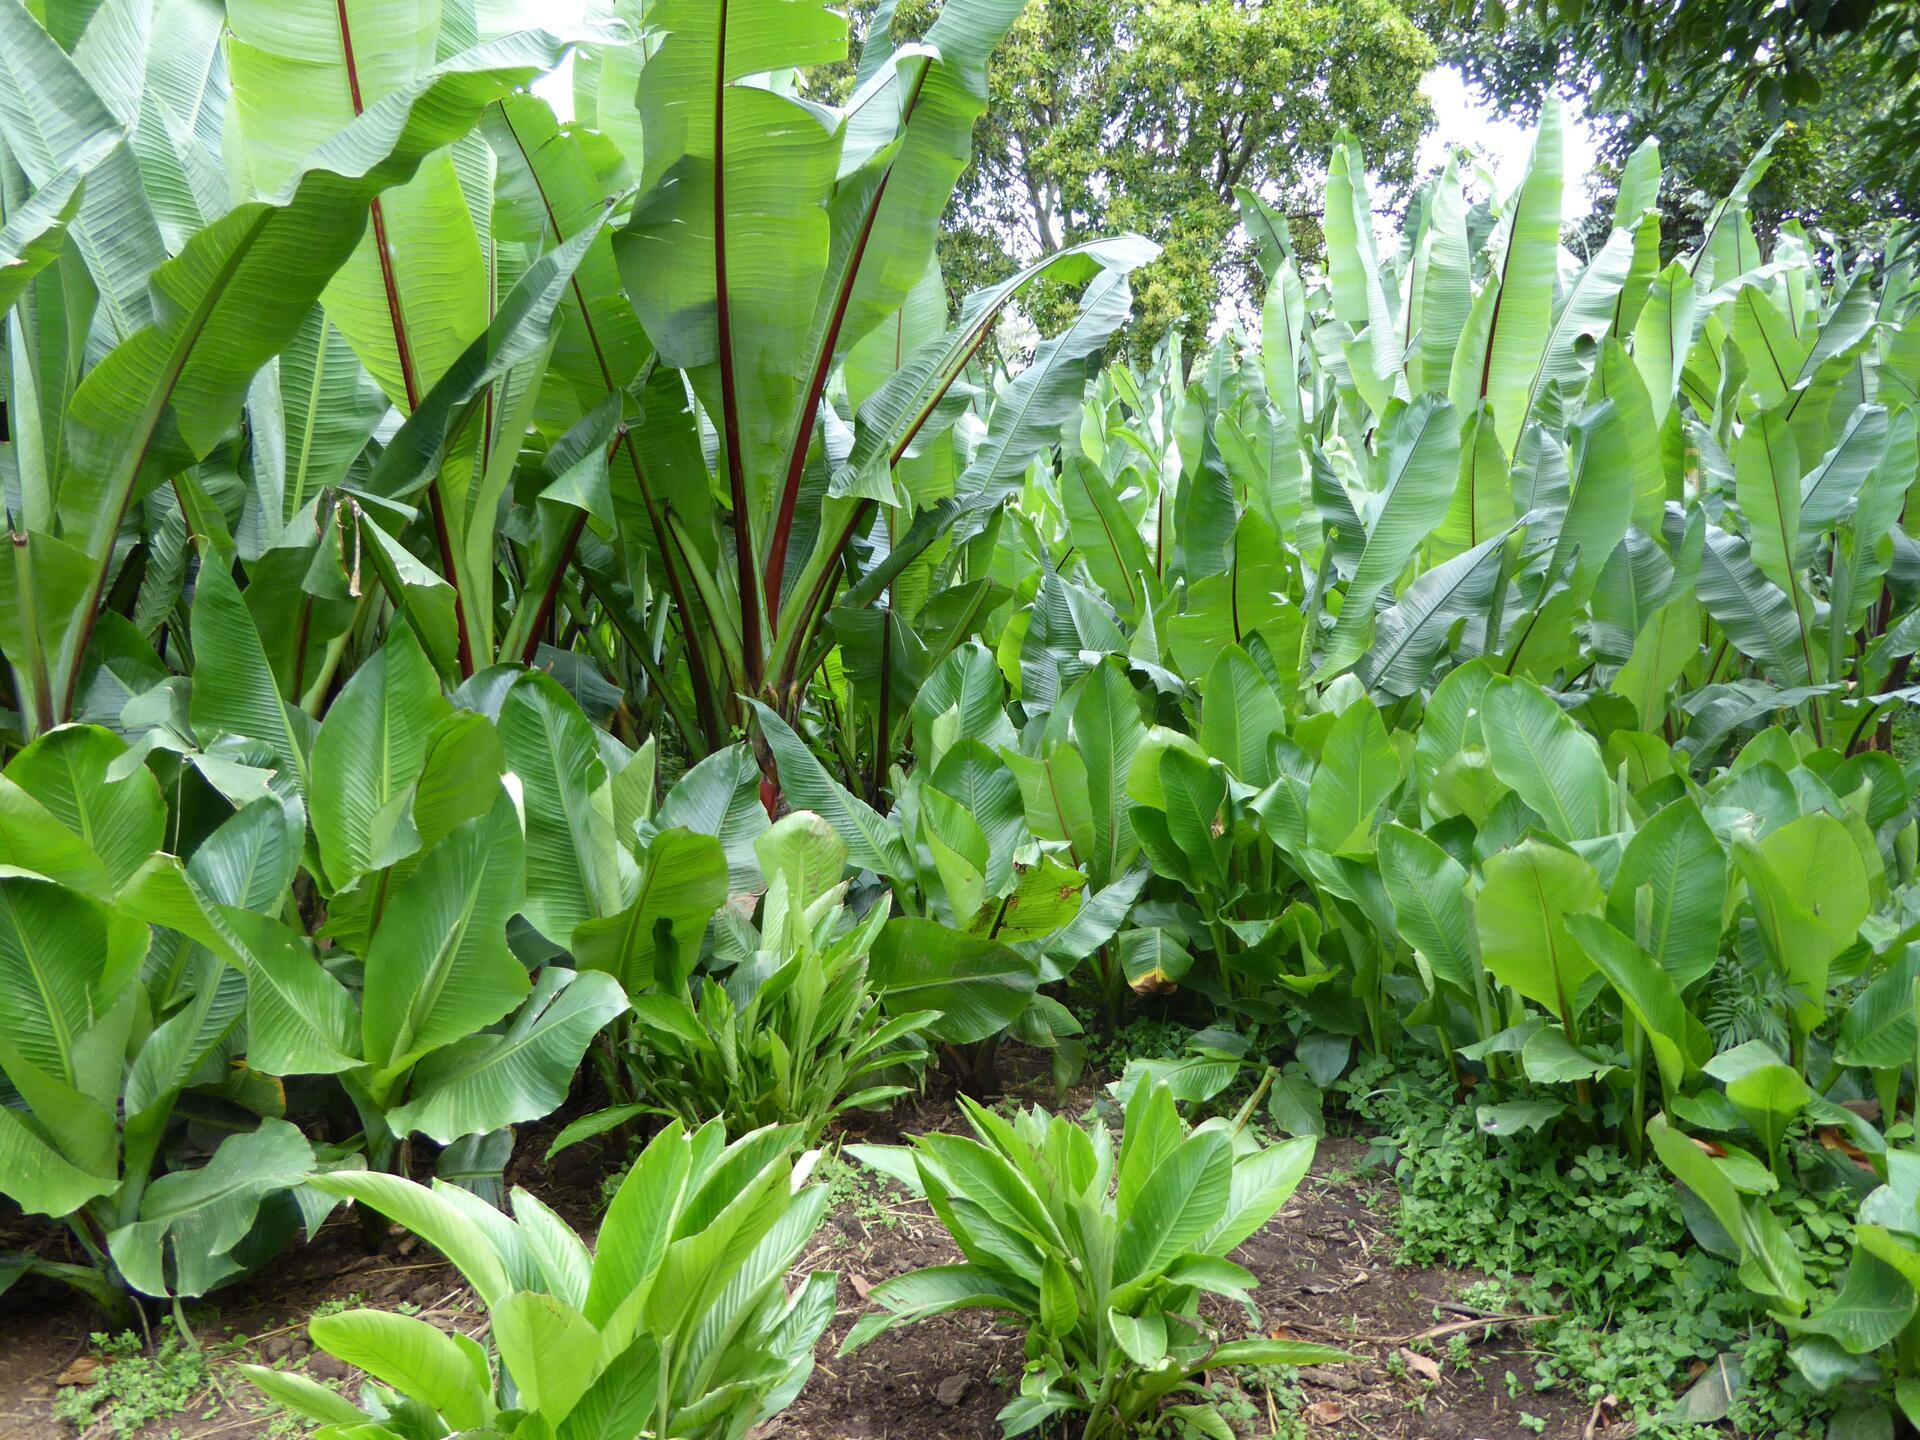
[(556, 88), (1462, 118)]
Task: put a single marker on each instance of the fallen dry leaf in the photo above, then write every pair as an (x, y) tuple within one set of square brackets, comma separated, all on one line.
[(1834, 1139), (1425, 1366), (83, 1371), (1325, 1412), (861, 1285)]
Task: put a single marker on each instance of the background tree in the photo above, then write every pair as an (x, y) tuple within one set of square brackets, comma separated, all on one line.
[(1144, 114), (1713, 80)]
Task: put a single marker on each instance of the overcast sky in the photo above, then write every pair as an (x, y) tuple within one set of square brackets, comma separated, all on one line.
[(1460, 118)]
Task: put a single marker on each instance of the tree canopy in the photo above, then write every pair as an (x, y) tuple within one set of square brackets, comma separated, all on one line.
[(1713, 79), (1143, 115)]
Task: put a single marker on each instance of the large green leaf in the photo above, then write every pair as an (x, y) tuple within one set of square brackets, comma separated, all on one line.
[(1675, 860), (331, 407), (1549, 760), (1359, 768), (1482, 504), (235, 693), (80, 778), (1360, 299), (367, 756), (1182, 1200), (1679, 1041), (1809, 890), (67, 965), (57, 123), (300, 1019), (548, 193), (978, 985), (1421, 464), (576, 869), (414, 291), (720, 797), (1521, 916), (1759, 618), (1506, 332), (436, 1216), (1769, 1262), (1767, 476), (31, 239), (1662, 336), (191, 1219), (416, 1358), (873, 840), (654, 942), (1767, 1092), (729, 241), (486, 1081), (1583, 315), (1428, 888), (1107, 730), (239, 293), (1240, 714), (439, 969), (1411, 633), (1665, 646)]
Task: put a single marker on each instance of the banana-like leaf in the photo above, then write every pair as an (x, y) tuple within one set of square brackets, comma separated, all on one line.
[(978, 985), (57, 122), (654, 942), (487, 1081), (1679, 1041), (1549, 760), (1521, 917), (67, 965), (1410, 634), (1421, 463), (576, 868), (438, 968), (1505, 338), (237, 295), (1429, 892), (873, 840), (369, 754), (1809, 890), (1758, 617), (1359, 768), (35, 230), (1675, 860), (191, 1220)]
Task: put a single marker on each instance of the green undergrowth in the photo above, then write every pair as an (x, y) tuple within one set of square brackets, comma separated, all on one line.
[(1582, 1234), (136, 1387)]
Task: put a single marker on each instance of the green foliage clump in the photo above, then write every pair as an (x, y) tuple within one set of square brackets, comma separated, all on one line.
[(1103, 1256), (1587, 1237), (678, 1321), (136, 1387)]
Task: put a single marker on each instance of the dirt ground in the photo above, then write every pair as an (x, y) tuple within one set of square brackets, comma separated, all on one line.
[(1326, 1266)]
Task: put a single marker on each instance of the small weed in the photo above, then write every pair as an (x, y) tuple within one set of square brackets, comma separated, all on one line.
[(1260, 1400), (1145, 1039), (855, 1190), (336, 1305), (134, 1388)]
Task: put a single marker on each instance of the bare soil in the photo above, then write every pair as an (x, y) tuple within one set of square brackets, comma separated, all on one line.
[(1326, 1266)]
